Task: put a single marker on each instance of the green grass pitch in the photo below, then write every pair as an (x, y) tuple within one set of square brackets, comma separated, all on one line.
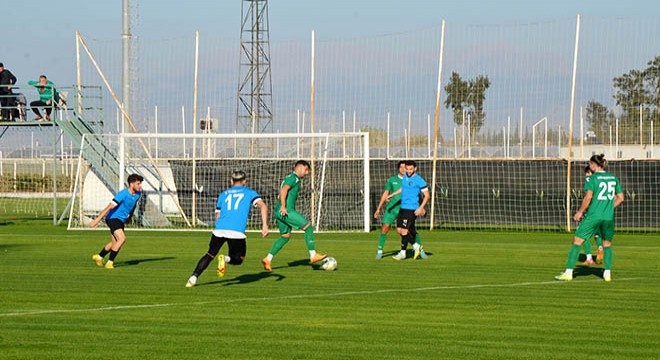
[(479, 295)]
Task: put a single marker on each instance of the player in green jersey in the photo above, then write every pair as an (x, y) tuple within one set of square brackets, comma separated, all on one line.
[(602, 195), (586, 246), (392, 209), (288, 217)]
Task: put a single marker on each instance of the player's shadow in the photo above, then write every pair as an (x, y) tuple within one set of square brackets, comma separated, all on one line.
[(245, 279), (409, 253), (304, 262), (584, 270), (138, 261)]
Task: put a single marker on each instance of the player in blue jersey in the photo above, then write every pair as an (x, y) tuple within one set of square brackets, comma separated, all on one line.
[(116, 215), (231, 214), (411, 187)]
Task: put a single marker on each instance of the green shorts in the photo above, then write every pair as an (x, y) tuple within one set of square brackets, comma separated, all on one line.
[(389, 216), (293, 220), (590, 227)]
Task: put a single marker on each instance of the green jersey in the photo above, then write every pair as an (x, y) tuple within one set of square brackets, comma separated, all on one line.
[(604, 186), (393, 184), (294, 182)]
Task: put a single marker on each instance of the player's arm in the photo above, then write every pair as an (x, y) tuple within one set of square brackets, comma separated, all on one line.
[(390, 196), (383, 200), (422, 210), (284, 191), (618, 199), (585, 205), (103, 213), (217, 214), (264, 216)]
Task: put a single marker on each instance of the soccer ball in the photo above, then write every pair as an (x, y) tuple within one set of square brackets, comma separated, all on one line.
[(329, 264)]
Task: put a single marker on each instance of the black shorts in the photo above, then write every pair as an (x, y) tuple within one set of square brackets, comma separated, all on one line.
[(114, 225), (406, 219), (237, 247)]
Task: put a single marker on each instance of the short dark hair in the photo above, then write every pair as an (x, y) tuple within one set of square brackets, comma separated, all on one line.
[(43, 76), (302, 162), (599, 159), (2, 65), (398, 165), (134, 177), (238, 175), (587, 169), (411, 162)]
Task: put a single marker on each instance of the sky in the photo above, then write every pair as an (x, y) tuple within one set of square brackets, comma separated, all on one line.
[(43, 32), (41, 37)]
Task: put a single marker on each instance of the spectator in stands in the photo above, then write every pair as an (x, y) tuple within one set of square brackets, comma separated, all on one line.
[(47, 97), (7, 79)]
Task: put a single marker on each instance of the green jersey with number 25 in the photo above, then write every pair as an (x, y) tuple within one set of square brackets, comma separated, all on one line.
[(604, 186)]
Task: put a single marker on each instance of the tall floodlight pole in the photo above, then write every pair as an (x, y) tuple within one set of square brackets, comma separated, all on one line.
[(253, 108)]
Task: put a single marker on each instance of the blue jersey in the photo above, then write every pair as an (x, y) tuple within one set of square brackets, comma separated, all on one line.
[(411, 187), (234, 207), (126, 203)]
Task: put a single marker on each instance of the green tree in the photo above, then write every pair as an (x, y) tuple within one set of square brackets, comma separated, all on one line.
[(634, 90), (470, 96), (599, 119)]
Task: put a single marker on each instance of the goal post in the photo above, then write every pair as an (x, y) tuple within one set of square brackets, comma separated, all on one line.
[(339, 197)]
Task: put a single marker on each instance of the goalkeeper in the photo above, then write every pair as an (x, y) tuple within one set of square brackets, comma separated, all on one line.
[(288, 217)]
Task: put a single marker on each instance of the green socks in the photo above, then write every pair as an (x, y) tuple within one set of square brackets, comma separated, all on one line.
[(607, 257), (309, 238), (418, 239), (278, 244), (586, 246), (381, 241), (572, 256)]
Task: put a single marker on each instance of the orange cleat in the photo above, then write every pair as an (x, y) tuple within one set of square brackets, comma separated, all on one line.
[(317, 258), (266, 263)]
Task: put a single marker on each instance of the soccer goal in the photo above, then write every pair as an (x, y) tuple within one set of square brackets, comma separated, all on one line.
[(185, 173)]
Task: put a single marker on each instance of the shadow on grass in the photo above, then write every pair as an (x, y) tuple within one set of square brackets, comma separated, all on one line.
[(584, 270), (138, 261), (245, 279)]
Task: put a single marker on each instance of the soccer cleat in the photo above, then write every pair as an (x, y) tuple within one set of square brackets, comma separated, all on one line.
[(191, 282), (599, 256), (109, 265), (379, 255), (222, 267), (588, 262), (418, 252), (266, 263), (564, 277), (98, 259), (422, 254), (317, 258), (607, 277), (399, 257)]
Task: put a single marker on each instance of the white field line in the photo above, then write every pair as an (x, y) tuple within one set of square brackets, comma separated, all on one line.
[(302, 296)]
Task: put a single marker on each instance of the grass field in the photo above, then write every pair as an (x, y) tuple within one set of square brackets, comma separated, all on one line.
[(479, 295)]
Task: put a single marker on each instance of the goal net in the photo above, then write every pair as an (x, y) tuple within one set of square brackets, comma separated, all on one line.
[(185, 173)]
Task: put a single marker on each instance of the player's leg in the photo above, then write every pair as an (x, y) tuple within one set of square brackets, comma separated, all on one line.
[(297, 220), (285, 235), (586, 247), (214, 247), (385, 228), (607, 232), (113, 224), (403, 223), (237, 251), (599, 254), (412, 239), (118, 239), (584, 231), (389, 218)]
